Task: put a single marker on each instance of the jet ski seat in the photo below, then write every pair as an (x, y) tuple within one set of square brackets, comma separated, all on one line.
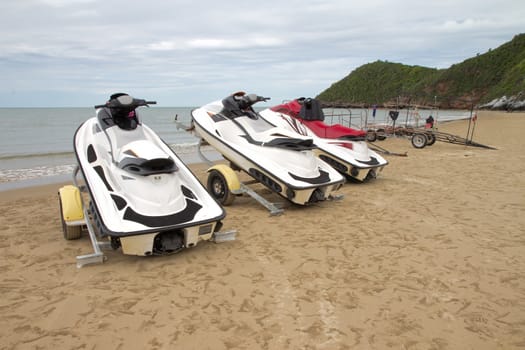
[(141, 157), (140, 166), (336, 131), (260, 132)]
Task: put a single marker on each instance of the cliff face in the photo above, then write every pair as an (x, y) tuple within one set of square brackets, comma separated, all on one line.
[(483, 81)]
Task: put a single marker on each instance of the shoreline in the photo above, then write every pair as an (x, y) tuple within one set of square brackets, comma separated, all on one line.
[(30, 161), (187, 158), (427, 256)]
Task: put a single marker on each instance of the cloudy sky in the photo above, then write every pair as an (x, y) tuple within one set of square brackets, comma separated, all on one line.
[(189, 52)]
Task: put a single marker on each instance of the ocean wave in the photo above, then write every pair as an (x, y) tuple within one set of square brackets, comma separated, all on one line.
[(11, 175), (35, 155), (187, 151), (183, 148)]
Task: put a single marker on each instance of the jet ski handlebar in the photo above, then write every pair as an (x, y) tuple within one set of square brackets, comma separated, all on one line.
[(263, 99), (253, 98), (248, 100), (126, 101)]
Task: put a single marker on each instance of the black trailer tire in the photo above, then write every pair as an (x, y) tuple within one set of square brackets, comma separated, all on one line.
[(419, 140), (381, 134), (218, 188), (371, 136), (431, 138), (70, 232)]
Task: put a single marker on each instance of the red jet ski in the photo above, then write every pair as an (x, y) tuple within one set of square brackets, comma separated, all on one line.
[(309, 111)]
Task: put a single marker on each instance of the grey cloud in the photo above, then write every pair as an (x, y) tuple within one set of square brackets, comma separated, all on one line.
[(187, 52)]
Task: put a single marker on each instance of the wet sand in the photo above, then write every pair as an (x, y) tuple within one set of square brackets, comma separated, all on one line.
[(430, 255)]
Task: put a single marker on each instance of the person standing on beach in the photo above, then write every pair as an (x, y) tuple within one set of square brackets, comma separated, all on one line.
[(429, 122)]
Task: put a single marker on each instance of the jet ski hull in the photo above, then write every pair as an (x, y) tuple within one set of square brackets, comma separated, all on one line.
[(296, 175), (142, 196), (349, 157)]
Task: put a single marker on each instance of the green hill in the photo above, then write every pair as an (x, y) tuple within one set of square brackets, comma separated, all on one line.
[(478, 80)]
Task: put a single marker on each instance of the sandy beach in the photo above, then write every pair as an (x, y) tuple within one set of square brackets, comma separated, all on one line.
[(430, 255)]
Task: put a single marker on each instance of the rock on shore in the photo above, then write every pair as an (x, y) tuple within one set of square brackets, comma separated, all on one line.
[(512, 103)]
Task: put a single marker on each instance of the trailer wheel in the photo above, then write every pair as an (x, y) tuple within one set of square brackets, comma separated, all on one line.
[(218, 188), (70, 232), (419, 140), (371, 136), (431, 138), (381, 134)]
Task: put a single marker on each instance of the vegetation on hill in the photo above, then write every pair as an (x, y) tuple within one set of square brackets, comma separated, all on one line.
[(478, 80)]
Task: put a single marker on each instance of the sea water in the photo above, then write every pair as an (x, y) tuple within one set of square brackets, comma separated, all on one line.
[(36, 144)]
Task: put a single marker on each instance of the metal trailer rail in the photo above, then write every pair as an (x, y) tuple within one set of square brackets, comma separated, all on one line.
[(97, 256), (457, 140), (273, 208), (420, 137)]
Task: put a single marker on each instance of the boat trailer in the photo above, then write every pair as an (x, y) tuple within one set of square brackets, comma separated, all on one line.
[(76, 217), (224, 184), (420, 137)]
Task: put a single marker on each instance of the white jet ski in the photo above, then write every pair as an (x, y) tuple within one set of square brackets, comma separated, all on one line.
[(342, 147), (143, 198), (281, 160)]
